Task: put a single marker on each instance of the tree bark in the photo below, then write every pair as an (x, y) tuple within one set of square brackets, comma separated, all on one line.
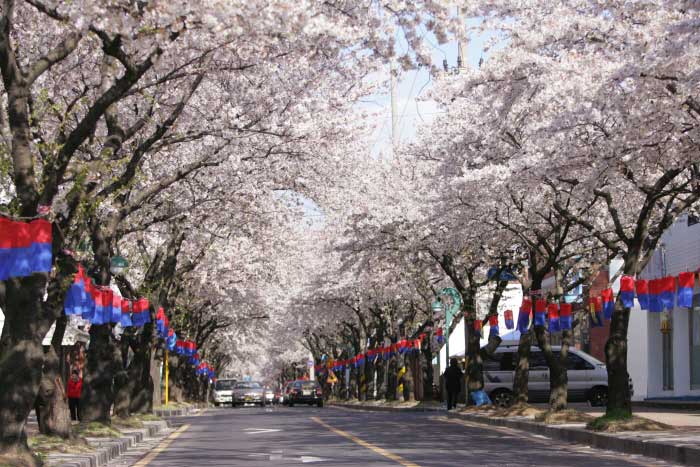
[(98, 382), (619, 397), (522, 369), (21, 356), (51, 403)]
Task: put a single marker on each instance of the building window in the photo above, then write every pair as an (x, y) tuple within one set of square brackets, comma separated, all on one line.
[(695, 348)]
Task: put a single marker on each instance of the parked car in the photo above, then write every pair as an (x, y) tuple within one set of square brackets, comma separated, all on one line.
[(305, 392), (223, 392), (285, 392), (248, 392), (588, 377), (270, 396)]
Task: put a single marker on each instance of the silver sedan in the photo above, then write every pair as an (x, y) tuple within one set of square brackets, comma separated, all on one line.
[(248, 392)]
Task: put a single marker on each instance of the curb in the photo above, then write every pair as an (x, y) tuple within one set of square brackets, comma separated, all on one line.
[(686, 451), (385, 409), (181, 412), (107, 449)]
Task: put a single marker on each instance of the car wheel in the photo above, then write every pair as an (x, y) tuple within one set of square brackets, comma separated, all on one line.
[(216, 404), (598, 396), (290, 404), (502, 398), (320, 404)]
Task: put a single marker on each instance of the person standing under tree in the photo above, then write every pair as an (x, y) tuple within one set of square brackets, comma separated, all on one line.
[(75, 388), (453, 381)]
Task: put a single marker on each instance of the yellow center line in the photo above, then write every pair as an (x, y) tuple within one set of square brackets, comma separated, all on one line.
[(161, 447), (365, 444)]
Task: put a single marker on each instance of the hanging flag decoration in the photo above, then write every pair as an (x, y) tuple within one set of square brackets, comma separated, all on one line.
[(125, 318), (190, 348), (655, 305), (508, 317), (540, 312), (89, 303), (438, 335), (180, 347), (595, 305), (141, 314), (172, 340), (477, 327), (76, 298), (643, 293), (162, 323), (608, 303), (686, 285), (553, 313), (25, 248), (627, 291), (493, 326), (565, 316), (116, 308), (668, 292), (524, 316)]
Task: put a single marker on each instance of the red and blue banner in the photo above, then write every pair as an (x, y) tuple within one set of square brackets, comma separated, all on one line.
[(565, 310), (667, 294), (162, 323), (76, 299), (508, 318), (477, 327), (595, 305), (553, 312), (540, 312), (686, 286), (642, 287), (141, 313), (524, 316), (125, 318), (172, 340), (493, 326), (627, 291), (655, 305), (25, 247), (608, 298)]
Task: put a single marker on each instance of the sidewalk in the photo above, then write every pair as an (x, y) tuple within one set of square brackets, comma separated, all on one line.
[(681, 444)]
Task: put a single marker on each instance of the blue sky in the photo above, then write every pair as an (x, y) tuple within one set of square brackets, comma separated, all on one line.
[(414, 84)]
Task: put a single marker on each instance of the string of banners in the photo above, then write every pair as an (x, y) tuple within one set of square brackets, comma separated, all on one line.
[(655, 295), (100, 305)]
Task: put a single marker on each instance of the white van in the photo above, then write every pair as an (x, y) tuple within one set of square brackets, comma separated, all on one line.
[(588, 378)]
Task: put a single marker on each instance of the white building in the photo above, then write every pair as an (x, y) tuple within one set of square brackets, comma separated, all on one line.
[(667, 365)]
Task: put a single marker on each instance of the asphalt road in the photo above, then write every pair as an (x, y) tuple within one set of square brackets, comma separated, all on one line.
[(281, 436)]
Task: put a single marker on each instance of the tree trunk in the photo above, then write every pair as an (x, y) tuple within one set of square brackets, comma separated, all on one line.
[(558, 377), (21, 357), (522, 369), (98, 383), (140, 380), (408, 387), (391, 379), (619, 397), (369, 378), (418, 376), (381, 374), (51, 403), (428, 374)]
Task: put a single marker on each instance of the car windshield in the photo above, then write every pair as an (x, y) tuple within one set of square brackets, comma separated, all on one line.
[(248, 385), (308, 385), (224, 384)]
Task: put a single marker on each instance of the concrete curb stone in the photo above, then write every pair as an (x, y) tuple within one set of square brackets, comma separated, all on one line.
[(107, 449), (650, 444)]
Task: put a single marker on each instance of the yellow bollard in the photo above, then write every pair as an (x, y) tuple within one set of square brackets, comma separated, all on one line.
[(167, 374)]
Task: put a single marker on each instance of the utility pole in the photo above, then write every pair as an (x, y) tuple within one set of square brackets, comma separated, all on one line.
[(462, 43), (394, 111)]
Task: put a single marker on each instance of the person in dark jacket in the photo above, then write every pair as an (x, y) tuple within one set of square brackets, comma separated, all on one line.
[(75, 389), (453, 383)]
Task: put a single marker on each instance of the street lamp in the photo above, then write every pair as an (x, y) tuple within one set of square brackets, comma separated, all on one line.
[(118, 265)]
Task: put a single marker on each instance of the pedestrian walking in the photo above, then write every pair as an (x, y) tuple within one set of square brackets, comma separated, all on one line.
[(453, 381), (75, 388)]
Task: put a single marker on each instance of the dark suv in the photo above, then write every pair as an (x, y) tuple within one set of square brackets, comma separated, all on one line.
[(305, 392)]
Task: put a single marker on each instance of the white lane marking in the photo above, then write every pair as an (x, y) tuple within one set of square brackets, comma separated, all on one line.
[(257, 431)]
